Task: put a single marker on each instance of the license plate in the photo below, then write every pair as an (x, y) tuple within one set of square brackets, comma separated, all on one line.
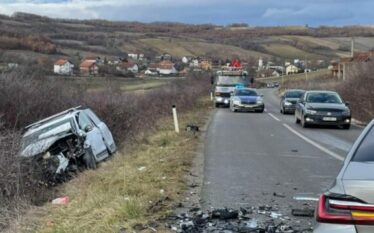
[(329, 118)]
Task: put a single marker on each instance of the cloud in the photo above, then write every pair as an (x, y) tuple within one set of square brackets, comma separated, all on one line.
[(254, 12)]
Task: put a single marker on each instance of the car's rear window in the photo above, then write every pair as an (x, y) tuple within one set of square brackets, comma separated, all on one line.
[(365, 151)]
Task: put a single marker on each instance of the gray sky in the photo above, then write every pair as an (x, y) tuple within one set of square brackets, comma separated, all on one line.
[(253, 12)]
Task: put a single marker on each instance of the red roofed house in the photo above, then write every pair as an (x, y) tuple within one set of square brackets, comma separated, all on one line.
[(63, 67), (340, 69), (129, 66), (89, 67), (166, 67)]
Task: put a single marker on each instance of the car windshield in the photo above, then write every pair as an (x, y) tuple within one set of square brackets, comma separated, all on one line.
[(245, 92), (323, 97), (230, 80), (294, 94), (49, 131)]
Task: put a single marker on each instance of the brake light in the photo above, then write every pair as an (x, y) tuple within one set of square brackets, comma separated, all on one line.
[(344, 211)]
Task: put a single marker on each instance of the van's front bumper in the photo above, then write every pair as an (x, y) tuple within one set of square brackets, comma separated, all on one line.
[(222, 100)]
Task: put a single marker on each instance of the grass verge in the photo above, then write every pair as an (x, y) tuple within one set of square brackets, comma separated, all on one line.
[(142, 184)]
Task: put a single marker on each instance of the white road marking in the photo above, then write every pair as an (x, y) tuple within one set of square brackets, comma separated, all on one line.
[(274, 117), (313, 143)]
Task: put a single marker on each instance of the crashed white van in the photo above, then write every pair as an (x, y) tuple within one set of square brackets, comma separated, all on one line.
[(63, 142)]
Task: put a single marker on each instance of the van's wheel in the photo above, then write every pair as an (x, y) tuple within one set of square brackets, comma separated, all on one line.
[(89, 159), (297, 120)]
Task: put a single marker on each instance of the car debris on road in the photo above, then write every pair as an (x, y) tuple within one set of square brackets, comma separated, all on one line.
[(246, 220)]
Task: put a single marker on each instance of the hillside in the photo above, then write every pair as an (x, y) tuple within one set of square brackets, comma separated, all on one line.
[(27, 38)]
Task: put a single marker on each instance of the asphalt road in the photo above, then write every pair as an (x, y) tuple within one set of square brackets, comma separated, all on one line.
[(251, 156)]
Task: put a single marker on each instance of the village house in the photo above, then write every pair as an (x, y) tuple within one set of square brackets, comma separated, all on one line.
[(63, 67), (206, 65), (166, 68), (339, 69), (89, 67), (292, 69), (194, 63), (129, 67), (135, 56), (185, 60)]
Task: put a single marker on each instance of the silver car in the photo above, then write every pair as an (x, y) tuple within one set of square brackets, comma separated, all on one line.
[(348, 206), (64, 141)]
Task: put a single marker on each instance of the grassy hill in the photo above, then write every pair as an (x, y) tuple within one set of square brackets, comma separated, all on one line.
[(25, 37)]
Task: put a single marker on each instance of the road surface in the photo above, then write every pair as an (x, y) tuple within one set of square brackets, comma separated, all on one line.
[(251, 156)]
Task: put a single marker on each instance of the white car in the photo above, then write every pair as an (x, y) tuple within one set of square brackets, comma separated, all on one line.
[(64, 141)]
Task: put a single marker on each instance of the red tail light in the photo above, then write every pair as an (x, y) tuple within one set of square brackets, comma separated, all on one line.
[(344, 211)]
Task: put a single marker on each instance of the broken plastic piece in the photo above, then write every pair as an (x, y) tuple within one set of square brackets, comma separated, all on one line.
[(61, 201)]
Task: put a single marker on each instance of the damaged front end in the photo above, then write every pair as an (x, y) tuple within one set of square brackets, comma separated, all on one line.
[(54, 154)]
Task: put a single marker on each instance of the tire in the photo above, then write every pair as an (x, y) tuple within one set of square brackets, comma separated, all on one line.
[(281, 110), (89, 160), (348, 126), (217, 105), (297, 120)]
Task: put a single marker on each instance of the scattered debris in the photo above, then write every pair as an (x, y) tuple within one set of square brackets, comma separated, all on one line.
[(61, 201), (305, 198), (303, 212), (141, 168), (244, 220), (192, 128), (279, 195)]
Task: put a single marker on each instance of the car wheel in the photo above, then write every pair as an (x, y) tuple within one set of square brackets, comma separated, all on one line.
[(348, 126), (297, 120), (217, 105), (260, 111), (89, 159), (281, 110)]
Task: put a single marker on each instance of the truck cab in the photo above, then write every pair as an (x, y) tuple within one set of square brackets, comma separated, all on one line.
[(224, 84)]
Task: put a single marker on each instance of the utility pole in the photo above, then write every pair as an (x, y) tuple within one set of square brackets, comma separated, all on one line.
[(352, 47), (306, 69)]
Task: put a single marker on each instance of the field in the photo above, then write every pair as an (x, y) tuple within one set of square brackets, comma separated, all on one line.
[(296, 77)]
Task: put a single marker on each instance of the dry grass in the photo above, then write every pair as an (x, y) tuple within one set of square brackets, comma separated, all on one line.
[(288, 51), (119, 194)]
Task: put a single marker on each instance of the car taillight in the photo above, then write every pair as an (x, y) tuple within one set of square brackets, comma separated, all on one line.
[(344, 211)]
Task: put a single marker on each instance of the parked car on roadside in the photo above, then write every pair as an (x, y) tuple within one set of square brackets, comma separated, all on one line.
[(322, 108), (348, 206), (289, 100), (61, 143), (246, 99)]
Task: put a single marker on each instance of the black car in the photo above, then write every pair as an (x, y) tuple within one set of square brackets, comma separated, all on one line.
[(289, 100), (322, 108)]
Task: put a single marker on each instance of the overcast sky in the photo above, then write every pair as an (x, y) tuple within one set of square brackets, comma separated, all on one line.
[(253, 12)]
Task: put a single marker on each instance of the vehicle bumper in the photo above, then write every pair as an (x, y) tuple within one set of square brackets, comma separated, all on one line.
[(319, 120), (248, 107), (222, 100), (333, 228), (289, 108)]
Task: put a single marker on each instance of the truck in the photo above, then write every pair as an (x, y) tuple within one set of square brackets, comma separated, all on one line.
[(224, 83)]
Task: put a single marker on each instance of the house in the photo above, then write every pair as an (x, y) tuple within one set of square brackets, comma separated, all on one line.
[(206, 65), (339, 69), (129, 66), (63, 67), (276, 73), (292, 69), (185, 60), (166, 68), (194, 62), (89, 67)]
